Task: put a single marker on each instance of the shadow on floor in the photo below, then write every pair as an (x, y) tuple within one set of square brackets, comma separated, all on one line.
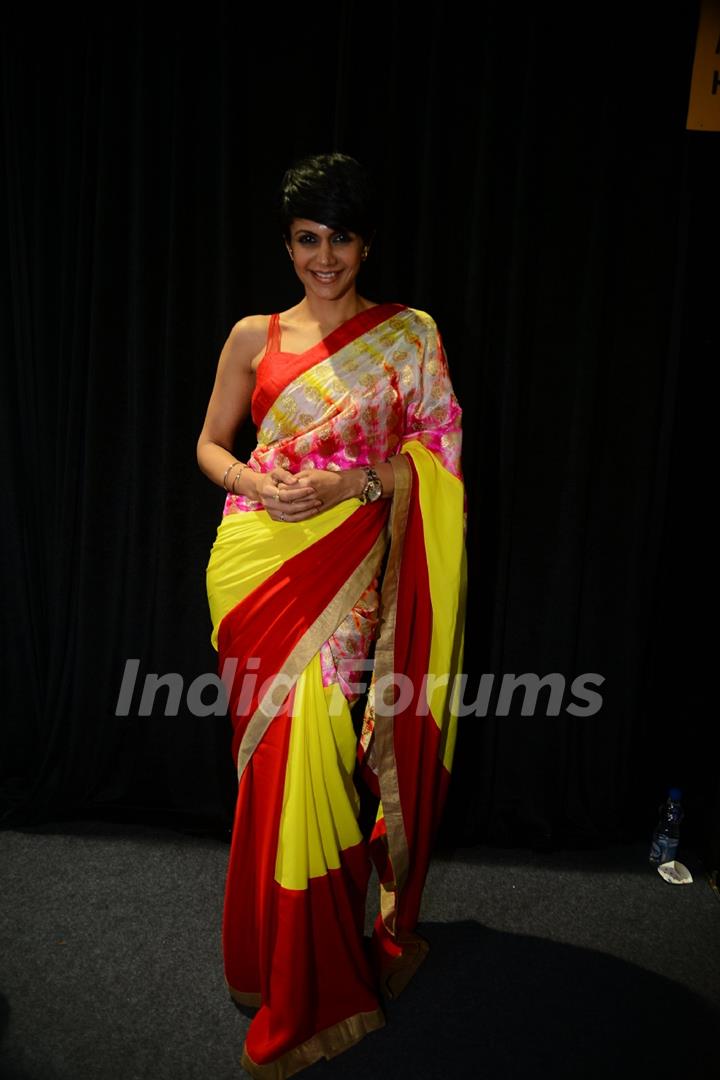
[(10, 1067), (501, 1006)]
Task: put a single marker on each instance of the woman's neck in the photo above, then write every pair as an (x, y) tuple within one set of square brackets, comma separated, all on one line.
[(327, 314)]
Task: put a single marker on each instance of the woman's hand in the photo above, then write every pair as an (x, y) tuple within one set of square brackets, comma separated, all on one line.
[(284, 496), (295, 496), (331, 486)]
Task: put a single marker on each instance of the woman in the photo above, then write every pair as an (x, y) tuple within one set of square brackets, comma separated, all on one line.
[(343, 535)]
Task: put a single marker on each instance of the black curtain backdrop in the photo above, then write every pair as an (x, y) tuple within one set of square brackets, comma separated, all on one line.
[(542, 200)]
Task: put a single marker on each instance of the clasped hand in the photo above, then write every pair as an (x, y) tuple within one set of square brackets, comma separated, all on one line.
[(295, 496)]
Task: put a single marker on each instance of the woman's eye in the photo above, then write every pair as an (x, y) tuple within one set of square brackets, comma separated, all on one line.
[(342, 238), (307, 239)]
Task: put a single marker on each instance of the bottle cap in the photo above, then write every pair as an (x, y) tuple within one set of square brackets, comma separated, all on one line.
[(675, 793)]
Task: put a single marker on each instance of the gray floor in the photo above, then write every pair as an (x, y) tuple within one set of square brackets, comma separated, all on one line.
[(572, 965)]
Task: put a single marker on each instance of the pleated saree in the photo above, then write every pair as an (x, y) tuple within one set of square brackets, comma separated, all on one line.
[(360, 605)]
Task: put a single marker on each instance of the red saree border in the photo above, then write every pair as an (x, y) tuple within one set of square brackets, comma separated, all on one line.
[(393, 827), (267, 389), (412, 778), (417, 739)]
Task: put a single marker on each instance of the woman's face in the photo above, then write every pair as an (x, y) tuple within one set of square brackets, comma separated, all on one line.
[(326, 260)]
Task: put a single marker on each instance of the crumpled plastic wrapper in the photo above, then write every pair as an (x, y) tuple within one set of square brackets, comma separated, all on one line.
[(675, 872)]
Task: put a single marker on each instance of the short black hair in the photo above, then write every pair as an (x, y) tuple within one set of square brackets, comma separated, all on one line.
[(332, 189)]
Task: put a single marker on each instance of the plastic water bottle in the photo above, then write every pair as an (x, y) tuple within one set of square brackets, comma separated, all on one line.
[(666, 837)]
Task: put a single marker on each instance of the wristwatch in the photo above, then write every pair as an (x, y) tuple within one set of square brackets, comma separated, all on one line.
[(373, 487)]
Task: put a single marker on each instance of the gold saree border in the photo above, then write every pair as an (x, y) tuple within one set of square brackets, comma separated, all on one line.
[(325, 625), (395, 974), (327, 1043), (383, 733)]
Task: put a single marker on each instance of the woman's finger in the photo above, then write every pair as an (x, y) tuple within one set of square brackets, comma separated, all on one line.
[(297, 495), (291, 518), (295, 513), (280, 475), (289, 514)]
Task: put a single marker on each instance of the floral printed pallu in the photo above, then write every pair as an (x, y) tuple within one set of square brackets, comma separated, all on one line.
[(297, 610)]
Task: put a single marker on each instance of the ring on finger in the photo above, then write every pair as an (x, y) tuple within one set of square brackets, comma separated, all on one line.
[(282, 517)]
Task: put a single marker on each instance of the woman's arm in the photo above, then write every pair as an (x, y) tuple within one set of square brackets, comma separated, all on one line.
[(229, 406)]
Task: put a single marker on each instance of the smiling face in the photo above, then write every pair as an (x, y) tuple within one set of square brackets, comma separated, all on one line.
[(326, 260)]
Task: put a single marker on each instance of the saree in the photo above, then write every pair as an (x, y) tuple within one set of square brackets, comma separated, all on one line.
[(338, 640)]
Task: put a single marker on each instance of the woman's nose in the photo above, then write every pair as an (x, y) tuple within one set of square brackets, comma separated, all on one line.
[(327, 255)]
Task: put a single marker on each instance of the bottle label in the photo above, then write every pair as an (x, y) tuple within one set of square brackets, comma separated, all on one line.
[(663, 848)]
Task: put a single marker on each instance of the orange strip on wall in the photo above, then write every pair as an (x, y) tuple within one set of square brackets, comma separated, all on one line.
[(704, 108)]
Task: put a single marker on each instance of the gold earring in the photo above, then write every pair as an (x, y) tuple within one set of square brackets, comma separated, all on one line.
[(365, 252)]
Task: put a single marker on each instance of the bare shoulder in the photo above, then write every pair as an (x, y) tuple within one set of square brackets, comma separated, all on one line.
[(251, 329), (247, 338)]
